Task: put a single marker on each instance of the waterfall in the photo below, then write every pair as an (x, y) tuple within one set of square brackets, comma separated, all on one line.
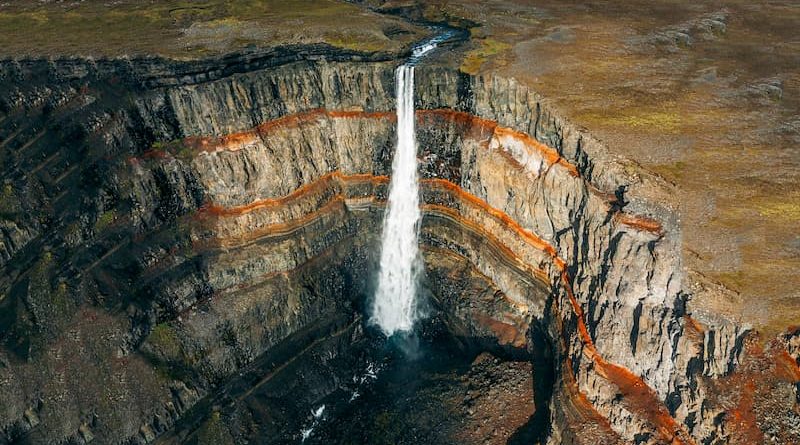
[(394, 307)]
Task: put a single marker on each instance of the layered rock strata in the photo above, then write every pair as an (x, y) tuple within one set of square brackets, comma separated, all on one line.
[(221, 214)]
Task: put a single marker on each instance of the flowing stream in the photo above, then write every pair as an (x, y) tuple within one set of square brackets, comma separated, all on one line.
[(395, 307)]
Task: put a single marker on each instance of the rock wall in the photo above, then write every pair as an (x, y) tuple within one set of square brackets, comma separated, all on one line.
[(211, 217)]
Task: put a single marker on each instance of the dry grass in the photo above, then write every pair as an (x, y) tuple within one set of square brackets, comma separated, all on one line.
[(652, 120), (775, 208), (191, 29)]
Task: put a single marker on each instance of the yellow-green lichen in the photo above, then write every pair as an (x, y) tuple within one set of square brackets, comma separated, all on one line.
[(104, 220), (486, 49), (786, 210), (214, 432), (165, 341), (50, 306), (176, 148), (9, 203), (658, 120), (648, 120), (355, 42)]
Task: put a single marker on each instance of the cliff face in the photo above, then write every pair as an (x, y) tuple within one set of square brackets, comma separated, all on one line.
[(185, 224)]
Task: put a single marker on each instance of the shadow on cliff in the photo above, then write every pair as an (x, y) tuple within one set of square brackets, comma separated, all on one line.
[(538, 427)]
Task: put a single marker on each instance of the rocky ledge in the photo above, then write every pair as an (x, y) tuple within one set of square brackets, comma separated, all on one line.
[(173, 230)]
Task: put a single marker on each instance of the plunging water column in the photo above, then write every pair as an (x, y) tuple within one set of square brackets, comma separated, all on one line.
[(395, 301), (395, 305)]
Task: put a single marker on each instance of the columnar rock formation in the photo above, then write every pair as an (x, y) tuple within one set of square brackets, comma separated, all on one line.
[(202, 219)]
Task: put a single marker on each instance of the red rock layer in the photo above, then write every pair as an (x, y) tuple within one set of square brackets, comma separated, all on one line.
[(639, 222), (638, 397), (756, 393)]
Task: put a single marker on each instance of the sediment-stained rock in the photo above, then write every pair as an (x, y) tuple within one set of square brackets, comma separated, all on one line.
[(216, 216)]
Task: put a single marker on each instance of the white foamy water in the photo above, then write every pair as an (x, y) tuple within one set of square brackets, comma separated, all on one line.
[(423, 49), (316, 414), (395, 306), (428, 46)]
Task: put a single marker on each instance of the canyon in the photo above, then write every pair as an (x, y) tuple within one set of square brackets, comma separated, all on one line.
[(189, 249)]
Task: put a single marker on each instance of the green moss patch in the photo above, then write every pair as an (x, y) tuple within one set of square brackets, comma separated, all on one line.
[(177, 148), (9, 203), (164, 340), (104, 220), (214, 432), (486, 49), (48, 306)]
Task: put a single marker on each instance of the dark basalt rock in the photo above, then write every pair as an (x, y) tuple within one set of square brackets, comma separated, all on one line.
[(194, 227)]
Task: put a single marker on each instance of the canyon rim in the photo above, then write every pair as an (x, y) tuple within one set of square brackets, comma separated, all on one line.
[(197, 242)]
